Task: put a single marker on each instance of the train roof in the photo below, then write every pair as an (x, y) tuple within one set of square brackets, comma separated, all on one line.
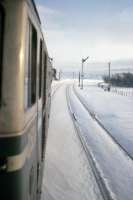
[(35, 9), (38, 17)]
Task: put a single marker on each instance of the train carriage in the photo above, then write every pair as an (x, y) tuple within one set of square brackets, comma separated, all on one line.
[(25, 84)]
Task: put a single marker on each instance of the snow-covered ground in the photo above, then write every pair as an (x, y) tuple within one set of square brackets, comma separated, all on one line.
[(113, 165), (67, 174), (114, 111)]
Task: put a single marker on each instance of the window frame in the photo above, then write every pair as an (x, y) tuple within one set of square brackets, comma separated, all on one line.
[(32, 65)]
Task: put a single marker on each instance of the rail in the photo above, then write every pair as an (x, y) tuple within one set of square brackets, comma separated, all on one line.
[(100, 181), (101, 125)]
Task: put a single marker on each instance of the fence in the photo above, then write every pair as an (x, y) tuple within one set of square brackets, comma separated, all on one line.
[(122, 91)]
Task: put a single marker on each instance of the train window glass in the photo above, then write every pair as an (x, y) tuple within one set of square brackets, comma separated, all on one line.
[(1, 47), (32, 65), (40, 70)]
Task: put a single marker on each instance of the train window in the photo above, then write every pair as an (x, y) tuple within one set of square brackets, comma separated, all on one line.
[(40, 70), (32, 65), (1, 47)]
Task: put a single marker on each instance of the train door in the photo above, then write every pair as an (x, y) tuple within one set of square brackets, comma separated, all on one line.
[(45, 80), (40, 122), (31, 101), (41, 107), (44, 105)]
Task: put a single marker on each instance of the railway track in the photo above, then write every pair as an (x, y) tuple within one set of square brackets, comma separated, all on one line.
[(101, 125), (100, 181)]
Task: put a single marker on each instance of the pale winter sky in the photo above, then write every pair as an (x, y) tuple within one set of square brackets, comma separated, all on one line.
[(102, 29)]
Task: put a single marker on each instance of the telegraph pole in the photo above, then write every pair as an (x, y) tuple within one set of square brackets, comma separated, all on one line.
[(82, 74), (82, 71), (109, 64), (109, 68), (79, 79)]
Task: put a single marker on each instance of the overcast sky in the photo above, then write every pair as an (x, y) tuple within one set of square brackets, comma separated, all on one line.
[(102, 29)]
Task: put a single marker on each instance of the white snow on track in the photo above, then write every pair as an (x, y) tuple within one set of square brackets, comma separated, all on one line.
[(67, 174), (112, 162)]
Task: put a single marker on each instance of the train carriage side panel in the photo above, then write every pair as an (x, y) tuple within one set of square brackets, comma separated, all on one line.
[(12, 74), (12, 147), (21, 116)]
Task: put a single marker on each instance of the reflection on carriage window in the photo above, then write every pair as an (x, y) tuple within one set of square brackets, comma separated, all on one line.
[(32, 65)]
